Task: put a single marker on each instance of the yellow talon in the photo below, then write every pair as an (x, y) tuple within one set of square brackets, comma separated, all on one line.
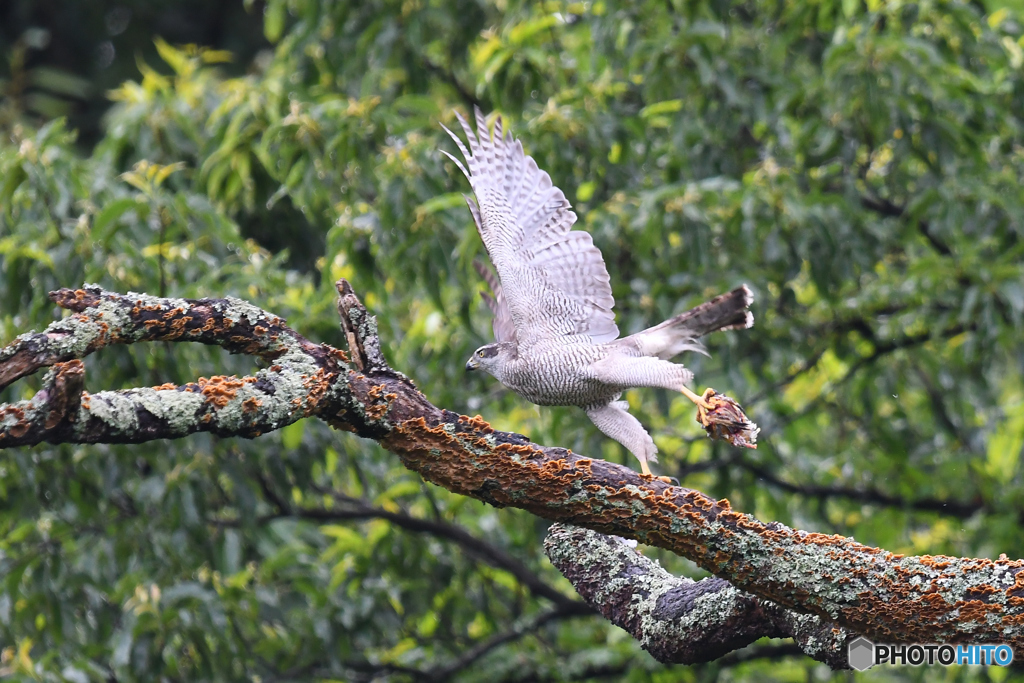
[(699, 400), (645, 469)]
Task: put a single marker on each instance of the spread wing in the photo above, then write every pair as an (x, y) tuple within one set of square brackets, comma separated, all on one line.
[(553, 279)]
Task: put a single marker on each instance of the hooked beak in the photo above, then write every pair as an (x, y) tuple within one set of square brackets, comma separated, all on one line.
[(471, 364)]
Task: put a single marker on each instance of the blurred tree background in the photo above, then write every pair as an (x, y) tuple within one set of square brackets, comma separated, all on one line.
[(857, 163)]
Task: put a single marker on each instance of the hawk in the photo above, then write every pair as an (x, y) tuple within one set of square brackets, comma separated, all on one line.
[(557, 343)]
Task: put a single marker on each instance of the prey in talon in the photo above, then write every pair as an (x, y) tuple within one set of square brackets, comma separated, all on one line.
[(723, 418)]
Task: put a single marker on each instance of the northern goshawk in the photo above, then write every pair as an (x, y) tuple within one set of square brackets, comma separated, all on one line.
[(557, 341)]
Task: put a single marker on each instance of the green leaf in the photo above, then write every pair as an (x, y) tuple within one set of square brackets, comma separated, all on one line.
[(291, 436), (665, 107), (105, 225), (12, 179), (526, 30), (585, 191), (440, 203), (273, 19)]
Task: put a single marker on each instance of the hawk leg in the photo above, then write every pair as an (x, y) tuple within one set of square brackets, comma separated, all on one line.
[(701, 401), (629, 371), (613, 420)]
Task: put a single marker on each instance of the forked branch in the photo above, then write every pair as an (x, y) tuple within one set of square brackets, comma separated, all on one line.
[(679, 620), (887, 597)]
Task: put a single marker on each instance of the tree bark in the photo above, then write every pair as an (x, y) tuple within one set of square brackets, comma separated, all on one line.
[(869, 591), (679, 620)]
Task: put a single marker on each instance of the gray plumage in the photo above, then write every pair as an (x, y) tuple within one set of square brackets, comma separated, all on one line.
[(556, 338)]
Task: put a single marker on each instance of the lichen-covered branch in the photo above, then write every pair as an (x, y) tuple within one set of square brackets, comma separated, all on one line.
[(54, 408), (889, 598), (679, 620), (103, 318), (301, 376)]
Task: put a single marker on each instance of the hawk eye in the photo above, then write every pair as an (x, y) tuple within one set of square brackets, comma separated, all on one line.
[(480, 353)]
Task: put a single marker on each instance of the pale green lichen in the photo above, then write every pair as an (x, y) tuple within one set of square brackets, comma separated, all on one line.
[(10, 417), (72, 336), (251, 314), (620, 568), (148, 300), (646, 588), (15, 345), (116, 410), (178, 409), (181, 410)]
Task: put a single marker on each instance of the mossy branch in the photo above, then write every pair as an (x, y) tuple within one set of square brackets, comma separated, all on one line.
[(679, 620), (887, 597)]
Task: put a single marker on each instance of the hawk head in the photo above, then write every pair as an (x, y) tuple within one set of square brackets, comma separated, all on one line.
[(492, 358)]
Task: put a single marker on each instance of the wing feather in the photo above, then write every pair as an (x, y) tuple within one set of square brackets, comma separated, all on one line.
[(474, 210), (504, 329), (553, 280)]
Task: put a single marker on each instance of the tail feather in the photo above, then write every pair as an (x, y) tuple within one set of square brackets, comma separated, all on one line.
[(682, 333)]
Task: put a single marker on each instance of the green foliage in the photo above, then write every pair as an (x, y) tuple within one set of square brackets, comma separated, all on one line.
[(857, 164)]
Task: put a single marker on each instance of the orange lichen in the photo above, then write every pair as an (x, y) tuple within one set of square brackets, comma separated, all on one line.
[(1016, 591), (317, 386), (336, 354), (525, 451), (19, 428), (178, 324), (939, 562), (476, 423), (220, 389), (825, 539), (985, 592), (975, 610), (379, 400)]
